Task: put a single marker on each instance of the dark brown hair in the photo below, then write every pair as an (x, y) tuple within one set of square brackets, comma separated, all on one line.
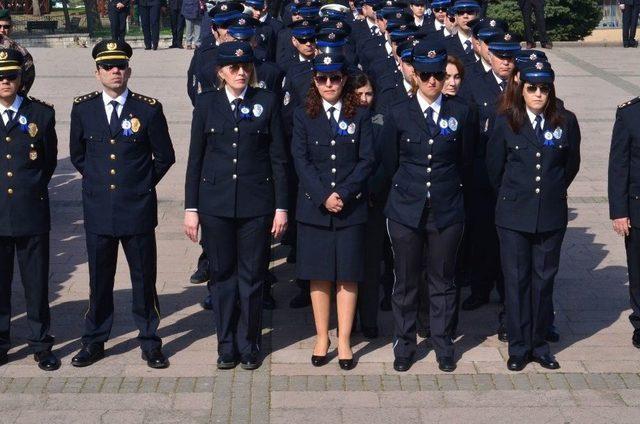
[(512, 105), (457, 63), (350, 102)]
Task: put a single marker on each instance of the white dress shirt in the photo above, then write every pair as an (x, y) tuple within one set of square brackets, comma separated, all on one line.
[(231, 97), (464, 38), (418, 22), (424, 104), (498, 79), (14, 108), (407, 87), (438, 24), (532, 118), (108, 108), (336, 113)]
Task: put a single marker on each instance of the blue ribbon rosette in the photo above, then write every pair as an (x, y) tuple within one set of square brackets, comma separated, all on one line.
[(245, 113), (126, 128), (24, 123), (548, 139), (444, 127), (342, 128)]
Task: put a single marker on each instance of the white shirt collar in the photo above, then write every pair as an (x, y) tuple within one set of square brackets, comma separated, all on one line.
[(418, 22), (485, 65), (121, 99), (424, 103), (446, 32), (438, 24), (407, 86), (498, 79), (264, 17), (302, 58), (532, 118), (463, 38), (370, 24), (14, 107), (231, 97), (326, 105)]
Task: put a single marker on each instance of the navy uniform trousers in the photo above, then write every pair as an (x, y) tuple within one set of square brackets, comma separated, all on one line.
[(33, 261), (442, 246), (118, 19), (102, 253)]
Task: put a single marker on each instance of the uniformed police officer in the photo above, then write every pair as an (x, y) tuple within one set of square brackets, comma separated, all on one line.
[(120, 144), (236, 188), (428, 153), (118, 12), (533, 156), (28, 158), (624, 192), (332, 149), (461, 44)]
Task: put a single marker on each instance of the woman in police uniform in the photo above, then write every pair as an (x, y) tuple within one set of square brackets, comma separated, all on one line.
[(429, 140), (532, 157), (333, 154), (236, 188)]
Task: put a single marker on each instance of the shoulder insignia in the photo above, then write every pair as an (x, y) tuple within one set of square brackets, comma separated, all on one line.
[(149, 100), (42, 102), (89, 96), (628, 103)]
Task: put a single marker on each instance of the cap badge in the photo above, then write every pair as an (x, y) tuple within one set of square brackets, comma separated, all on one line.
[(539, 66), (533, 56), (399, 15), (242, 21), (507, 37), (305, 23), (223, 7), (239, 52), (3, 55), (327, 60), (431, 54), (332, 36), (339, 25), (111, 46), (492, 23)]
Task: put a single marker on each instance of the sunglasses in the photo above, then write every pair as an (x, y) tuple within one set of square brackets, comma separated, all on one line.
[(302, 40), (334, 79), (466, 12), (236, 67), (544, 88), (439, 9), (120, 67), (426, 76), (12, 77), (5, 26)]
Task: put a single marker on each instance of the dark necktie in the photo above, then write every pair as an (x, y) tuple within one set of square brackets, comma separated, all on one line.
[(114, 124), (332, 120), (9, 113), (503, 85), (431, 124), (374, 30), (236, 108), (539, 129), (467, 47)]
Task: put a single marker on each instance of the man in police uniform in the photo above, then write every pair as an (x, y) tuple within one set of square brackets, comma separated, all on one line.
[(28, 70), (120, 144), (28, 158), (624, 192)]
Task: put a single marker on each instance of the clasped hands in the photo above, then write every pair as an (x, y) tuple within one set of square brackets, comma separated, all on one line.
[(334, 203)]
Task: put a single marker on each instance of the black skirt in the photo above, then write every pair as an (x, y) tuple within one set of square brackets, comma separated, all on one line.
[(330, 254)]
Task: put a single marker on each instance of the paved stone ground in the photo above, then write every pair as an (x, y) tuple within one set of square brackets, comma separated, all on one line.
[(600, 376)]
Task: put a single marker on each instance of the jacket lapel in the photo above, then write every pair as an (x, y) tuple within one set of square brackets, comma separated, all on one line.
[(530, 135), (24, 108), (224, 107), (418, 115), (100, 114)]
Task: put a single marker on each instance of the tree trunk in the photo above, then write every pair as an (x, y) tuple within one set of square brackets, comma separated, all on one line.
[(35, 5), (65, 10), (93, 17)]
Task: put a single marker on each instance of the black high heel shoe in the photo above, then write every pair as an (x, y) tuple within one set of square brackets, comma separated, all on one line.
[(346, 364), (320, 360)]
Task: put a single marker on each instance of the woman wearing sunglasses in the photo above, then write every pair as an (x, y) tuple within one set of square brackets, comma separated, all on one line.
[(333, 154), (429, 141), (533, 156), (236, 188)]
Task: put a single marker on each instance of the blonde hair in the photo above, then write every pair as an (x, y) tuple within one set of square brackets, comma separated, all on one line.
[(253, 79)]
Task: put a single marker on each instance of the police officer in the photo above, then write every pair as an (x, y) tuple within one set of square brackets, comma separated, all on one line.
[(461, 44), (28, 69), (332, 149), (630, 10), (120, 144), (533, 156), (118, 12), (28, 158), (149, 11), (427, 155), (624, 207), (236, 188)]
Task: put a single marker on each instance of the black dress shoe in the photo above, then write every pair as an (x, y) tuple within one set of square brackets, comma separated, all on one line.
[(4, 358), (473, 302), (552, 336), (201, 276), (402, 364), (155, 358), (517, 363), (226, 362), (502, 334), (46, 360), (635, 339), (385, 304), (301, 300), (88, 355), (207, 303), (370, 332), (147, 48), (346, 364), (250, 362), (546, 361), (320, 360), (446, 364), (173, 46)]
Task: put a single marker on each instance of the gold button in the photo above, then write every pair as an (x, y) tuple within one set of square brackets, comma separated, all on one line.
[(7, 139), (112, 186), (9, 174), (112, 172), (112, 141), (112, 156), (10, 191), (9, 156)]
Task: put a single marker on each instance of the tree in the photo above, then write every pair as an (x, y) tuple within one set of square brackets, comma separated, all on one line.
[(35, 5), (93, 17), (567, 20)]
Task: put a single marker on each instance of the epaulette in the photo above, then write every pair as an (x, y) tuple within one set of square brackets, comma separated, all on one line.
[(89, 96), (149, 100), (630, 102), (42, 102)]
